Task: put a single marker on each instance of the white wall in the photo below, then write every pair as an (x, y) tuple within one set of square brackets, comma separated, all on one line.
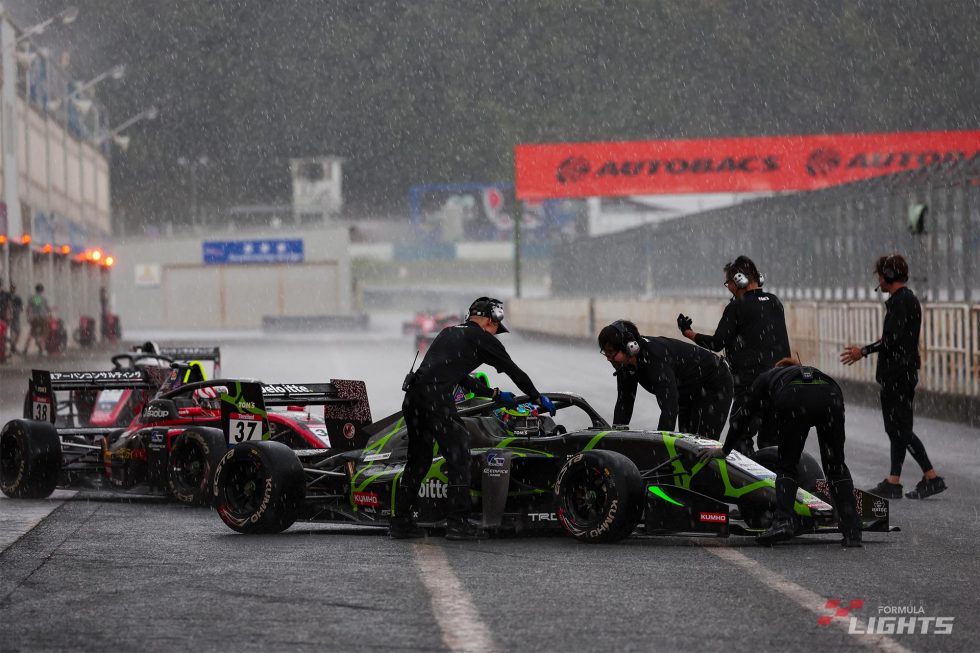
[(191, 295)]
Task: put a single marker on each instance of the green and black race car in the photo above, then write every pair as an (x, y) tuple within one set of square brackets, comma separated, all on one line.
[(574, 472)]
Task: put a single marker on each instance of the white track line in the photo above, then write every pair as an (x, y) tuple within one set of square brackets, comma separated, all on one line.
[(804, 598), (458, 619), (18, 516)]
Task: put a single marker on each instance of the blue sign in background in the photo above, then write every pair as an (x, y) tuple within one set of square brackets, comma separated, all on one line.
[(217, 252)]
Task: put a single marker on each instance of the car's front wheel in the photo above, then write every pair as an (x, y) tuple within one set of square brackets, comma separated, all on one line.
[(600, 496), (259, 487), (194, 455)]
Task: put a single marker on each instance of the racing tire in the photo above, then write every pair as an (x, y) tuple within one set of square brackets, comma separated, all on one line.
[(30, 459), (599, 496), (808, 471), (259, 487), (194, 456)]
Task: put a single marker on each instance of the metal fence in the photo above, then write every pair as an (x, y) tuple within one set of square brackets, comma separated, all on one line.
[(817, 245)]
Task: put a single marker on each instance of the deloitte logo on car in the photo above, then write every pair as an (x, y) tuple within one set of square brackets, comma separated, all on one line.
[(433, 489)]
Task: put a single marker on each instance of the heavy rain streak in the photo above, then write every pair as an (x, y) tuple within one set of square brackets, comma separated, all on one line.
[(541, 325)]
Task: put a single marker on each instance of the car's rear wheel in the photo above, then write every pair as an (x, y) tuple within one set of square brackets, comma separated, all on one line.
[(600, 496), (194, 455), (30, 459), (259, 487)]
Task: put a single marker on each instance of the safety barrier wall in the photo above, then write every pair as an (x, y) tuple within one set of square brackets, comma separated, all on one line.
[(818, 331)]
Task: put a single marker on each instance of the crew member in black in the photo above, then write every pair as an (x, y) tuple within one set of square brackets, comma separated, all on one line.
[(898, 373), (430, 413), (692, 385), (799, 398), (752, 331)]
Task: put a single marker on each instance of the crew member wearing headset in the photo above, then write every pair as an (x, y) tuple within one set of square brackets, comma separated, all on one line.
[(430, 413), (799, 398), (752, 331), (693, 386), (898, 374)]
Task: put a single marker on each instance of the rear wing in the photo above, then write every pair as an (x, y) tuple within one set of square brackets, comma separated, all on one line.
[(194, 354), (346, 408), (41, 404)]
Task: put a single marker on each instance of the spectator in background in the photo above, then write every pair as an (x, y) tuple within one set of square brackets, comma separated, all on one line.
[(13, 324), (38, 313)]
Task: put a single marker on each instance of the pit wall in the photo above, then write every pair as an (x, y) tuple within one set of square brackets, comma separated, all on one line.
[(949, 381)]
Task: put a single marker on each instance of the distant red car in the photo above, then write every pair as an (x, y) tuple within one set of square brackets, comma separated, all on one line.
[(426, 326)]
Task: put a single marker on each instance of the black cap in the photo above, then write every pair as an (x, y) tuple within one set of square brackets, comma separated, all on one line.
[(491, 308)]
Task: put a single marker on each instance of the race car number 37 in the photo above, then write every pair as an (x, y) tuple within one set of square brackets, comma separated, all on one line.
[(243, 427)]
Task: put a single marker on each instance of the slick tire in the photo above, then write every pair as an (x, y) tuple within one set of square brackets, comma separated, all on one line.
[(30, 459), (599, 496), (808, 471), (194, 456), (259, 487)]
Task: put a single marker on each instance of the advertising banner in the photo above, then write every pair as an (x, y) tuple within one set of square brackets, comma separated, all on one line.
[(729, 165)]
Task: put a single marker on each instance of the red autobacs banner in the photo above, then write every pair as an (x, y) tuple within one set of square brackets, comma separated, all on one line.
[(728, 165)]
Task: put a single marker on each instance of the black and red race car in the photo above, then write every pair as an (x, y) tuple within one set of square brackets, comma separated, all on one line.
[(173, 445), (425, 326)]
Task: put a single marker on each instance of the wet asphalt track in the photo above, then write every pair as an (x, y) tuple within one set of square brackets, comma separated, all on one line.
[(101, 575)]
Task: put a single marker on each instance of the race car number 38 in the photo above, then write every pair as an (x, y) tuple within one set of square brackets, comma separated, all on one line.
[(243, 427)]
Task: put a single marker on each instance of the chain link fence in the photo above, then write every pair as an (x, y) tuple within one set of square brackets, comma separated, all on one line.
[(818, 245)]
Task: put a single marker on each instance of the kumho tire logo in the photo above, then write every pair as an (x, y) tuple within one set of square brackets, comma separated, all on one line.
[(572, 170)]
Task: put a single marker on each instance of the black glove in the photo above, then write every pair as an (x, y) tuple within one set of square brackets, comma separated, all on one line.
[(684, 322)]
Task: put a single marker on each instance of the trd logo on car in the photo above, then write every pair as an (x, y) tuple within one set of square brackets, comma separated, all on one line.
[(542, 516), (367, 499), (434, 489), (713, 517)]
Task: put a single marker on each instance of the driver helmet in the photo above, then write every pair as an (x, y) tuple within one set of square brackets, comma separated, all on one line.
[(209, 396), (521, 421)]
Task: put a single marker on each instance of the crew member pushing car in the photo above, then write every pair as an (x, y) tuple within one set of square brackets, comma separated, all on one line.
[(430, 413), (799, 397), (752, 331), (693, 386)]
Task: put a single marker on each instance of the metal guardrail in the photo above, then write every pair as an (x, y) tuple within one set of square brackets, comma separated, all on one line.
[(818, 331)]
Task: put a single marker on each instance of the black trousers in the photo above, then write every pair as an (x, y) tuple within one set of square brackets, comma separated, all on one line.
[(763, 426), (430, 415), (897, 400), (703, 410), (796, 409)]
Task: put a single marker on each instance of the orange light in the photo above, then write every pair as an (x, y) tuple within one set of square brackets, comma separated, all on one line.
[(47, 249), (108, 261), (25, 239), (96, 255), (66, 249), (3, 239)]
